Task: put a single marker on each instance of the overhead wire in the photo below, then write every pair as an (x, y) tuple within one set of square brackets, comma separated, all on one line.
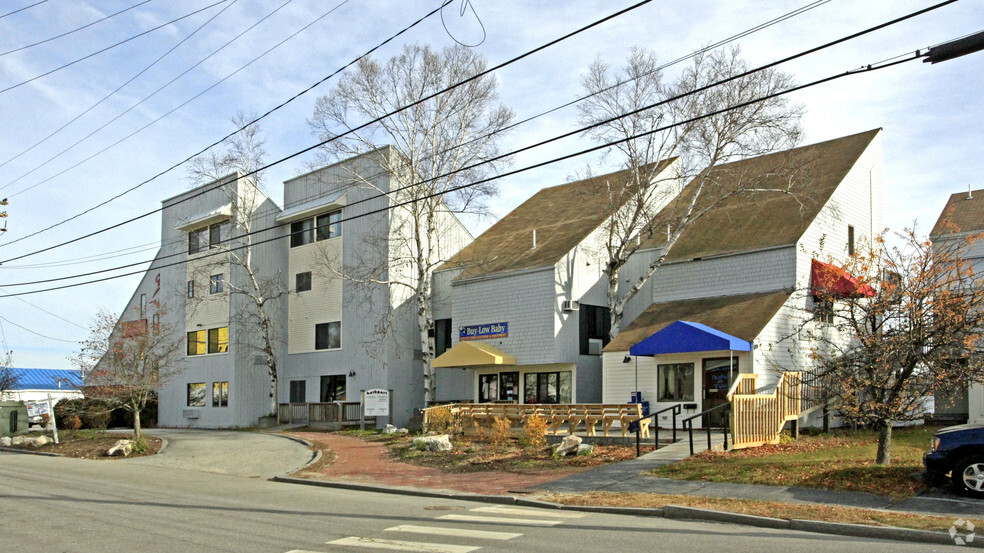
[(219, 251), (77, 29), (773, 64), (106, 97), (55, 315), (319, 144), (110, 47), (226, 137), (27, 7), (36, 332)]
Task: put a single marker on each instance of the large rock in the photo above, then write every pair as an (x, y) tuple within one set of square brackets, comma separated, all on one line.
[(4, 441), (585, 449), (42, 440), (433, 443), (121, 448), (390, 429), (568, 446)]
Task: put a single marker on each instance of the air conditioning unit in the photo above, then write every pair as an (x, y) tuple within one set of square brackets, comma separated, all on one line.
[(594, 346), (570, 305)]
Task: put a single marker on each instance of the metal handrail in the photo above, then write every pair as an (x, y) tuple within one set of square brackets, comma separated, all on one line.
[(677, 409), (689, 423)]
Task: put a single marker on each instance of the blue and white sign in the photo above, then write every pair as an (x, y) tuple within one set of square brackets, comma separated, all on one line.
[(481, 332)]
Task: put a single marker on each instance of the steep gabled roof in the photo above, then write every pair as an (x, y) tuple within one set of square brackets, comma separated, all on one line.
[(965, 213), (750, 219), (742, 316), (562, 216)]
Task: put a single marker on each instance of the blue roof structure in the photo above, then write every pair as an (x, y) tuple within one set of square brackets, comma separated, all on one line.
[(46, 379), (688, 337)]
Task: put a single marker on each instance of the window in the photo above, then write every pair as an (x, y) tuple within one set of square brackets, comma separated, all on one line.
[(329, 225), (595, 324), (215, 284), (220, 394), (191, 289), (328, 335), (301, 232), (823, 310), (196, 342), (488, 387), (442, 336), (218, 340), (509, 386), (332, 388), (850, 239), (297, 391), (675, 382), (197, 240), (143, 306), (196, 394), (322, 227), (302, 281), (552, 387), (213, 340), (155, 322), (218, 233)]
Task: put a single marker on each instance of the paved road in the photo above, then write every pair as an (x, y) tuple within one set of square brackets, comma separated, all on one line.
[(70, 505), (249, 454)]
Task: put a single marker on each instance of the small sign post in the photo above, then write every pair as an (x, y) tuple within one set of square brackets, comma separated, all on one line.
[(375, 403), (51, 418)]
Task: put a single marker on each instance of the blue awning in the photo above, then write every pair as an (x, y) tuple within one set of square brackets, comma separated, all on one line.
[(688, 337)]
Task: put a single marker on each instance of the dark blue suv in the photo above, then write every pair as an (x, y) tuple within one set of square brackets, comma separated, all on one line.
[(958, 450)]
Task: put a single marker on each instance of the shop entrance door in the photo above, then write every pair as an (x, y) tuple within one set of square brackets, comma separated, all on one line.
[(718, 376)]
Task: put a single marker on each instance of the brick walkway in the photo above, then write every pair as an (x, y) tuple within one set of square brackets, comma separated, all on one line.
[(371, 463)]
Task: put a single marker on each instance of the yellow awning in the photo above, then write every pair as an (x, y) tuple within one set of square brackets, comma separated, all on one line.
[(473, 354)]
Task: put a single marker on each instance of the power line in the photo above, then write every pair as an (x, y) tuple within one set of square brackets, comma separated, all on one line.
[(865, 69), (56, 37), (37, 333), (59, 317), (219, 141), (27, 7), (488, 71), (96, 53), (104, 98)]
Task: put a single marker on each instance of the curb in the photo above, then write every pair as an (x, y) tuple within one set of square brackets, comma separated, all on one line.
[(670, 512), (29, 452)]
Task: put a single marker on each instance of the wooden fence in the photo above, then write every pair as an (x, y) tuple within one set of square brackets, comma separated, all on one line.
[(560, 418), (341, 413), (758, 419)]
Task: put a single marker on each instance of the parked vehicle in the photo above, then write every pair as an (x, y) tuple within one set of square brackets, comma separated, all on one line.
[(958, 450)]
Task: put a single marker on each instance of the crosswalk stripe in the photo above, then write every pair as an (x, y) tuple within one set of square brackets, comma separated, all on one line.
[(303, 551), (517, 521), (456, 532), (534, 512), (398, 545)]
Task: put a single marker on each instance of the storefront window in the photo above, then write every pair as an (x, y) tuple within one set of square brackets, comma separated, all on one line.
[(509, 387), (675, 382), (488, 387), (550, 387)]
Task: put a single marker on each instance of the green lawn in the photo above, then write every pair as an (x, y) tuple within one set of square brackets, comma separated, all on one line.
[(841, 460)]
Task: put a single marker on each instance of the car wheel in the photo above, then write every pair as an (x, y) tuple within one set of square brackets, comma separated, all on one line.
[(968, 476)]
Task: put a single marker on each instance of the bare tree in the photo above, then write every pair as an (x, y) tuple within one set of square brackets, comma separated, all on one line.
[(648, 182), (8, 378), (242, 157), (126, 361), (440, 143), (909, 323)]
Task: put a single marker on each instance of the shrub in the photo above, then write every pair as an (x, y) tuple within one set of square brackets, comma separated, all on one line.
[(501, 433), (440, 420), (534, 432)]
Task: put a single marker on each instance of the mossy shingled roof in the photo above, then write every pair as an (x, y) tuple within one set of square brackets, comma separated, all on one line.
[(562, 216), (964, 212), (778, 196)]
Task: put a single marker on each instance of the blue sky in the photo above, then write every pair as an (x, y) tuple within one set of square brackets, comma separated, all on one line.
[(932, 115)]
